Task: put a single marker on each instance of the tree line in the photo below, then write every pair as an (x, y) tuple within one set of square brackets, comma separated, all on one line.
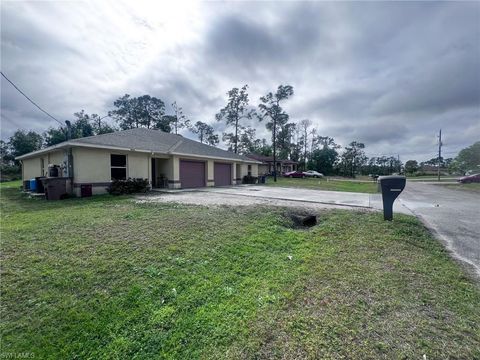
[(467, 160), (298, 141)]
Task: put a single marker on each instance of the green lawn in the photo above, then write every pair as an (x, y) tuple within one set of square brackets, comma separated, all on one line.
[(325, 184), (474, 187), (107, 278)]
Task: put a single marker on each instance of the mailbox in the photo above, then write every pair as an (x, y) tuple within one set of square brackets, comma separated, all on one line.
[(391, 187)]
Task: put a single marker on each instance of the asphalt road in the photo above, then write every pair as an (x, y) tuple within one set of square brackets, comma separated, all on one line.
[(453, 215)]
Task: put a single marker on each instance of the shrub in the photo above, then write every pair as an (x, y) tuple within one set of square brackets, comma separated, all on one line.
[(10, 172), (249, 179), (129, 186)]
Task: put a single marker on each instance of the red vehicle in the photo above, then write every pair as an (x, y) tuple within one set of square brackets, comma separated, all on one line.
[(470, 179), (294, 174)]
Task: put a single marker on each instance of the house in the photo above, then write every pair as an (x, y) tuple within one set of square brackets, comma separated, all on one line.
[(266, 166), (166, 160)]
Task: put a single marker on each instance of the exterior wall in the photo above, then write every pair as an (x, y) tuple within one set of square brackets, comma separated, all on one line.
[(175, 182), (263, 169), (92, 166), (56, 158), (243, 172), (210, 172), (137, 165), (31, 168), (238, 179), (234, 175), (164, 167)]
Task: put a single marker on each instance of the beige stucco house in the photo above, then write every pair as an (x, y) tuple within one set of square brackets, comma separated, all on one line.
[(266, 164), (166, 160)]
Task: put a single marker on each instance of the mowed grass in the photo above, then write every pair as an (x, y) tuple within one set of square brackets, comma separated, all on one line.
[(108, 278), (325, 184), (473, 187)]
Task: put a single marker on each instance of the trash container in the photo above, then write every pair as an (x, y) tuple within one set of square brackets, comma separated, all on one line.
[(39, 182), (391, 187), (55, 188), (33, 185), (26, 185), (53, 171), (261, 179)]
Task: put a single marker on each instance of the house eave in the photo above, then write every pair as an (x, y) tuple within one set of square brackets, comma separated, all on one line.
[(77, 144)]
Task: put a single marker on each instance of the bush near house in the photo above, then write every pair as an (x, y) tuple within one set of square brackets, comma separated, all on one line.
[(129, 186)]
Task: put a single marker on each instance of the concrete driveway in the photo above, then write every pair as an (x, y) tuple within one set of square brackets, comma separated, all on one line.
[(296, 195), (276, 196), (453, 216)]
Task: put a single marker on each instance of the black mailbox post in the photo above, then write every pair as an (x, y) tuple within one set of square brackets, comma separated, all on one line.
[(391, 187)]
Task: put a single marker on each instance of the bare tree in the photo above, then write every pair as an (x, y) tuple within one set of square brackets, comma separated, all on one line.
[(270, 108), (236, 110), (179, 120), (304, 125)]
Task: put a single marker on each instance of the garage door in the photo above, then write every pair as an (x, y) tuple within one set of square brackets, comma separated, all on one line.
[(222, 174), (192, 174)]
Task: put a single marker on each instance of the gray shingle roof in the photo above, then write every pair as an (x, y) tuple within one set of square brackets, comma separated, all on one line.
[(153, 140)]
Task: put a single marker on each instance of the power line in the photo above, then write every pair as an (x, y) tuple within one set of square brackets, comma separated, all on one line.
[(33, 102)]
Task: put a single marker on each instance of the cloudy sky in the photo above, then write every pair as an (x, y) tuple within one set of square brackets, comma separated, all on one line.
[(389, 74)]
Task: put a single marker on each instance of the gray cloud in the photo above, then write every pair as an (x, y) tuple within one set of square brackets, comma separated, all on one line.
[(389, 74)]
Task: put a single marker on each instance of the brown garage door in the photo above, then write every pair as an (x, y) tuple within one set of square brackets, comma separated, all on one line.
[(192, 173), (222, 174)]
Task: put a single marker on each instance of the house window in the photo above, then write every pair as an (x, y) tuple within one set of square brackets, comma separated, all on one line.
[(118, 164), (249, 170)]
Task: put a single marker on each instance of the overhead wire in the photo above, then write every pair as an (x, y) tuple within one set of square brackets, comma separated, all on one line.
[(28, 98)]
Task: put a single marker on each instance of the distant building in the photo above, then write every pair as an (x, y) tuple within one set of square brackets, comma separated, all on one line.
[(266, 166)]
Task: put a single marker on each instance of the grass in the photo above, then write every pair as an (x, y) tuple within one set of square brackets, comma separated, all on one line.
[(108, 278), (432, 179), (473, 187), (324, 184)]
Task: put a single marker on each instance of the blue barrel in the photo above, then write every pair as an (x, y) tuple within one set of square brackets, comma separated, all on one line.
[(33, 185)]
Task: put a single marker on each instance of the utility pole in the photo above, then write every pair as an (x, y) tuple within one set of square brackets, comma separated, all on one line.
[(274, 150), (439, 153)]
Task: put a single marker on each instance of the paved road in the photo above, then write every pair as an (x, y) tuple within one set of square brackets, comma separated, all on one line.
[(454, 216)]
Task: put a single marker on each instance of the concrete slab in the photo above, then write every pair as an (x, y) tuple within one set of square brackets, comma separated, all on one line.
[(296, 194)]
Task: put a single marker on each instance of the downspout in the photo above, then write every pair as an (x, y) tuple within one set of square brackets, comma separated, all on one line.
[(70, 157)]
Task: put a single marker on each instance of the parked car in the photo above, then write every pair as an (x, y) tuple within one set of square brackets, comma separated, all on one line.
[(294, 174), (470, 179), (312, 173)]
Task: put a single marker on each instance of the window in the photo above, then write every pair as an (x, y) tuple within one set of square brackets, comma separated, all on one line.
[(118, 164), (249, 170)]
